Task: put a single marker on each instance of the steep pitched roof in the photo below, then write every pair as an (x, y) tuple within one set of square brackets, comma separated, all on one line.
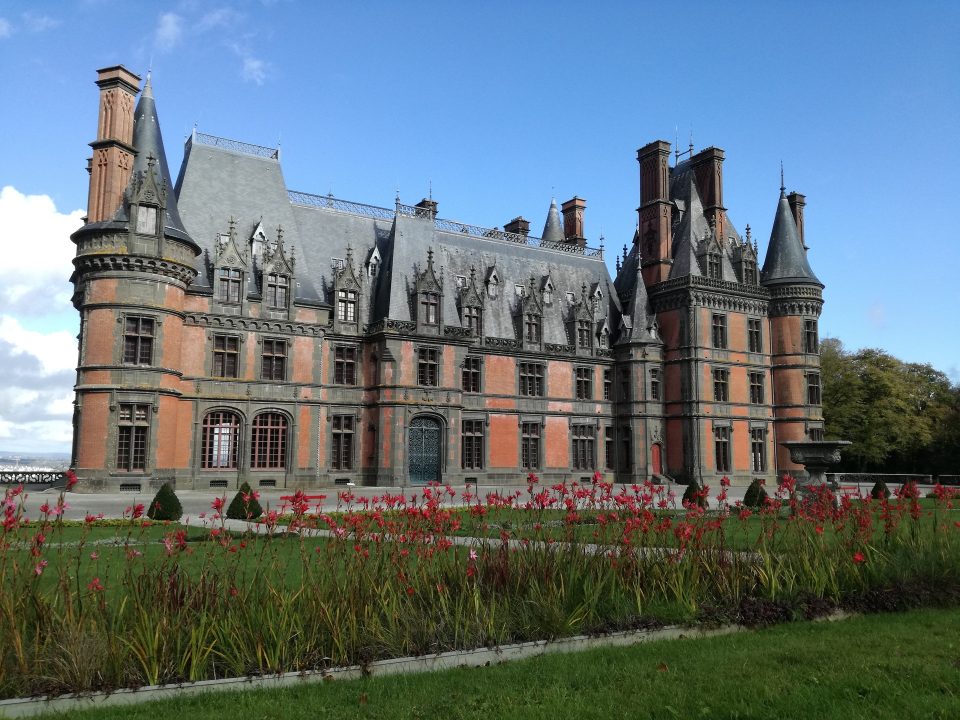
[(786, 260), (553, 228)]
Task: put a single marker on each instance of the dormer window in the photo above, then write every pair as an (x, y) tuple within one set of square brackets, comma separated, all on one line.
[(583, 334), (714, 266), (749, 272), (229, 285), (347, 306), (278, 287), (473, 319), (430, 308), (146, 220), (518, 289), (531, 328), (374, 267)]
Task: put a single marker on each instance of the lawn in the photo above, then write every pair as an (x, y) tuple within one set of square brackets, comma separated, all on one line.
[(896, 666)]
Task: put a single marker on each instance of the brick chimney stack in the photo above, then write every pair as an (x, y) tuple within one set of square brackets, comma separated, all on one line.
[(572, 211), (655, 214), (113, 150), (518, 226), (708, 174), (428, 206), (797, 203)]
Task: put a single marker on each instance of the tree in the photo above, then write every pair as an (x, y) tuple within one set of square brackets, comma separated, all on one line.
[(166, 505)]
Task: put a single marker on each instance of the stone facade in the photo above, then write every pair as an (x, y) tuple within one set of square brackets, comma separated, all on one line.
[(233, 330)]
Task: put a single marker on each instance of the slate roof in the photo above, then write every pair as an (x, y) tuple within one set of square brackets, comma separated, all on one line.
[(786, 260)]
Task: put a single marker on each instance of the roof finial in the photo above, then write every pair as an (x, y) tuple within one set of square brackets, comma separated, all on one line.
[(430, 256), (148, 85), (783, 187), (430, 188), (691, 141)]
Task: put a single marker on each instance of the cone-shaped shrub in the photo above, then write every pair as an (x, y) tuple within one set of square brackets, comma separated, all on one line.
[(755, 496), (880, 491), (244, 505), (692, 496), (166, 505)]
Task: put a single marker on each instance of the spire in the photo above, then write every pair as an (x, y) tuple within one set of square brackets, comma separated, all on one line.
[(148, 142), (786, 261), (148, 86), (553, 228)]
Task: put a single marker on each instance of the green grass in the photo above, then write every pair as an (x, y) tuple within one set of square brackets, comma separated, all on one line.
[(881, 666)]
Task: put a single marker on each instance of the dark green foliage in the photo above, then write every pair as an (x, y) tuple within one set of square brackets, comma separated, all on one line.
[(692, 495), (241, 509), (880, 491), (165, 505), (755, 496)]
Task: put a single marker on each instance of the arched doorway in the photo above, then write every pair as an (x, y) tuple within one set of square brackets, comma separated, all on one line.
[(656, 459), (423, 450)]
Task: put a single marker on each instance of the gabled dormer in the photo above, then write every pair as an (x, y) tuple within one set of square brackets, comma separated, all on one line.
[(492, 282), (347, 287), (258, 240), (147, 200), (710, 254), (603, 333), (428, 296), (277, 275), (529, 318), (374, 261), (547, 289), (745, 260), (582, 323), (231, 271), (471, 302)]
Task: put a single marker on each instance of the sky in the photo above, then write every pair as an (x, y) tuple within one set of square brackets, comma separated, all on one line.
[(495, 108)]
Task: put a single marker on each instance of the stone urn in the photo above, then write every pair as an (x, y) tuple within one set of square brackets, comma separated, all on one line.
[(815, 456)]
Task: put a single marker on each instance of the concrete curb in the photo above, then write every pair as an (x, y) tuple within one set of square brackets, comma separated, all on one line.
[(30, 707)]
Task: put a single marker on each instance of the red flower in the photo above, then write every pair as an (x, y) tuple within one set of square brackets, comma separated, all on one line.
[(95, 585), (217, 504), (71, 477), (859, 558)]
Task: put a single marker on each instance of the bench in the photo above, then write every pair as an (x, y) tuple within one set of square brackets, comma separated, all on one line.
[(289, 498)]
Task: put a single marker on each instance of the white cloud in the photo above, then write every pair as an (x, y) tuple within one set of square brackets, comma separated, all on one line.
[(220, 18), (169, 31), (254, 70), (6, 30), (37, 253), (39, 23)]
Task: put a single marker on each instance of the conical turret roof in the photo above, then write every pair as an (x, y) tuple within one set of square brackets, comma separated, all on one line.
[(786, 260), (553, 228)]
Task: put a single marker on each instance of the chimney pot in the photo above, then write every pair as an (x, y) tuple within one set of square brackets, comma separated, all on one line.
[(572, 211), (518, 226)]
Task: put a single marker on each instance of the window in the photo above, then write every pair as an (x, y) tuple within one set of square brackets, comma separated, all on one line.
[(133, 426), (811, 343), (530, 445), (609, 443), (758, 450), (471, 456), (268, 442), (654, 383), (721, 442), (607, 384), (532, 328), (347, 306), (754, 335), (583, 441), (146, 220), (228, 289), (471, 374), (428, 365), (274, 360), (749, 272), (584, 383), (531, 379), (226, 356), (721, 378), (430, 308), (756, 388), (813, 389), (345, 365), (278, 287), (714, 266), (720, 332), (624, 385), (816, 433), (583, 334), (473, 318), (138, 335), (341, 451), (221, 440), (626, 450)]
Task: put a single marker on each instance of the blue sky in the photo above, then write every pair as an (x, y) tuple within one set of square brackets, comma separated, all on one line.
[(498, 107)]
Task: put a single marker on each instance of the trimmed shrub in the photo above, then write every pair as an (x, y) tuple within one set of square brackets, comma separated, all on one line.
[(880, 491), (755, 496), (692, 495), (166, 505), (244, 505)]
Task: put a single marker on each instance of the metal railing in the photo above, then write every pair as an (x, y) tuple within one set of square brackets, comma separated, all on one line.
[(236, 146), (47, 478)]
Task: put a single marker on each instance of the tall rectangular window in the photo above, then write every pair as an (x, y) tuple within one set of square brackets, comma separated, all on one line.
[(474, 319), (607, 384), (813, 389), (430, 308), (749, 272), (278, 288), (583, 334), (230, 284), (626, 450), (226, 356), (754, 335), (428, 366), (273, 364), (344, 431), (347, 306), (720, 332), (583, 446), (531, 379), (345, 365), (811, 342), (268, 442), (815, 433), (472, 369), (714, 267), (756, 388), (146, 220), (532, 328), (530, 445), (584, 383), (655, 384), (138, 335), (609, 445), (721, 441), (133, 428), (721, 382), (624, 385), (471, 456), (758, 449)]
